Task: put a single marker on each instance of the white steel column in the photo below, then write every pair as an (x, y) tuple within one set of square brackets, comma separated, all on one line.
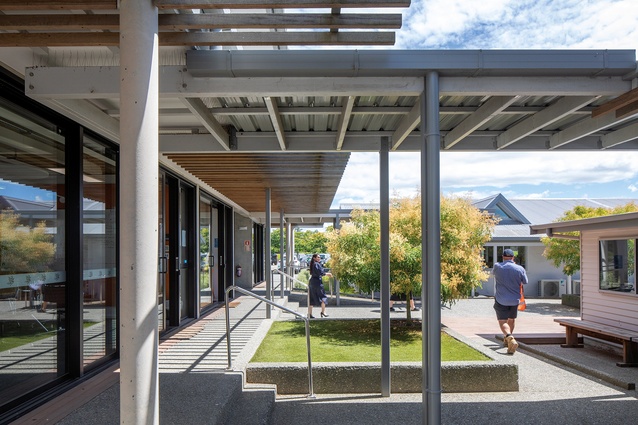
[(384, 245), (431, 250), (139, 99)]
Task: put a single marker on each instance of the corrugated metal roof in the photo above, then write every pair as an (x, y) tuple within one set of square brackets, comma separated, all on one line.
[(541, 211), (546, 210)]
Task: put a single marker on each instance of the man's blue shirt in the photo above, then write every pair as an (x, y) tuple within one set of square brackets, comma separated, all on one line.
[(508, 276)]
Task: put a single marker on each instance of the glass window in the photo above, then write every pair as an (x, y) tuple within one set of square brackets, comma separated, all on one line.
[(519, 254), (32, 252), (99, 251), (617, 265), (488, 256)]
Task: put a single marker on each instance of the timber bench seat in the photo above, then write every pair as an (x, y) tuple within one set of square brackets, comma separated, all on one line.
[(628, 339)]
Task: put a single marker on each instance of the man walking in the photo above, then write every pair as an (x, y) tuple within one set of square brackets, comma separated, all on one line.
[(509, 277)]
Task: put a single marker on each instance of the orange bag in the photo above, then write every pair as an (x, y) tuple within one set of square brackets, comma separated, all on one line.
[(521, 303)]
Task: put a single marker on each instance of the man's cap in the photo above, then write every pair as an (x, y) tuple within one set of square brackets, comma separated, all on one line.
[(508, 253)]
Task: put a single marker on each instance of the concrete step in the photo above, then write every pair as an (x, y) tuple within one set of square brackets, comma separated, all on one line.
[(185, 398), (252, 406), (348, 409)]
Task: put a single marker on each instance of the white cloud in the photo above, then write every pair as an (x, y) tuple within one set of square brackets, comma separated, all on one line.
[(519, 24), (507, 24), (478, 175)]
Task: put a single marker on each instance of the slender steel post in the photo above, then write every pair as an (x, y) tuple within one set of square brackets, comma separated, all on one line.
[(227, 314), (337, 289), (268, 251), (431, 250), (384, 210), (283, 249), (311, 392)]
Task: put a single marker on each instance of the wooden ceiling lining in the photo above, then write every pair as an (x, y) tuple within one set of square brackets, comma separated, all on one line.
[(299, 182)]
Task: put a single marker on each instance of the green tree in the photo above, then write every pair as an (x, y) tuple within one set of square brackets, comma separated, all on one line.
[(310, 241), (24, 249), (566, 252), (204, 240), (275, 241), (464, 230)]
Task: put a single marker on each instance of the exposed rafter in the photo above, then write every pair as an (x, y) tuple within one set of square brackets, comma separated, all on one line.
[(197, 107), (487, 111), (406, 126), (275, 118), (620, 136), (344, 119), (625, 99), (583, 128), (288, 38), (197, 23), (59, 4), (552, 113), (280, 4), (111, 22)]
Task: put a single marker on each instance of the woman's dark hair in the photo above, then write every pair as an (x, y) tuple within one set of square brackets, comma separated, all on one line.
[(312, 259)]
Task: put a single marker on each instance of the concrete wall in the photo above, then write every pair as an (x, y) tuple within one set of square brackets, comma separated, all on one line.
[(243, 232)]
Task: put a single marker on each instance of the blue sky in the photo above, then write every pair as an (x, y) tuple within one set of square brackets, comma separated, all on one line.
[(509, 24)]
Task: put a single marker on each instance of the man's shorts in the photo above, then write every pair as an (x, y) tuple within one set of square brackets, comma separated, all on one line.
[(504, 312)]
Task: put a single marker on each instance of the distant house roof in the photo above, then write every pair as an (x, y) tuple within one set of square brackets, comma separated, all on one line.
[(594, 223), (519, 215), (17, 204)]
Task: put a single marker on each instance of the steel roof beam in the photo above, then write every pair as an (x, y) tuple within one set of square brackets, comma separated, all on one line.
[(197, 107), (344, 119), (406, 126), (620, 136), (365, 141), (492, 107), (537, 121), (103, 82), (584, 128), (275, 118), (468, 63)]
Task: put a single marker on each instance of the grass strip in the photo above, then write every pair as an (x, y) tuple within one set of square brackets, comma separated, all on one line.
[(353, 341)]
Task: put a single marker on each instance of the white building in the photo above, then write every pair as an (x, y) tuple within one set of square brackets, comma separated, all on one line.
[(513, 231)]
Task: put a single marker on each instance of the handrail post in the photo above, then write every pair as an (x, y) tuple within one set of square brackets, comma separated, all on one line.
[(227, 313), (310, 384), (274, 304)]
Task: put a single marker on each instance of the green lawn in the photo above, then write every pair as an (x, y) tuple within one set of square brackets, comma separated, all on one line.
[(352, 341), (28, 332)]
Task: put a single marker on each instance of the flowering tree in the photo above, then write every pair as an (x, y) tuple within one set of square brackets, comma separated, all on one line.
[(464, 230)]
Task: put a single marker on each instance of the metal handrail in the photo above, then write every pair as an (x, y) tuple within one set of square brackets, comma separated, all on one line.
[(302, 283), (274, 304)]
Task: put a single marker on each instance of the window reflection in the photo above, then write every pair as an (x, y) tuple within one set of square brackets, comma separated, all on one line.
[(617, 265), (99, 252), (32, 252)]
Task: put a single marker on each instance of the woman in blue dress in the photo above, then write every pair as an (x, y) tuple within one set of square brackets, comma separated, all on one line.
[(317, 294)]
